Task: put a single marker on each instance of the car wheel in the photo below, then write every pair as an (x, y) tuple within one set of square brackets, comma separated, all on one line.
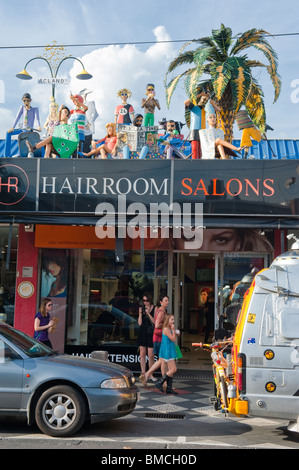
[(60, 411)]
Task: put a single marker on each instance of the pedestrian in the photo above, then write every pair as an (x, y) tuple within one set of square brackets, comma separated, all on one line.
[(146, 322), (160, 313), (42, 322), (168, 354)]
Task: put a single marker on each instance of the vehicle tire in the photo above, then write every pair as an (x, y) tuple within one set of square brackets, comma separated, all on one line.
[(60, 411)]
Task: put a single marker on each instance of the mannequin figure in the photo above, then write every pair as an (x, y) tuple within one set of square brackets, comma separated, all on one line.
[(149, 104), (124, 112)]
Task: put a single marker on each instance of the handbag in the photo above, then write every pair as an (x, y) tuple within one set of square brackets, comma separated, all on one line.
[(178, 351)]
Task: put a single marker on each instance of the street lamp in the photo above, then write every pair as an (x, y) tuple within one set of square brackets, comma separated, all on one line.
[(24, 75)]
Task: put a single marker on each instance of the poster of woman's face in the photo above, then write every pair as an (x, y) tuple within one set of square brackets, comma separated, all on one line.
[(54, 279), (214, 240), (54, 273)]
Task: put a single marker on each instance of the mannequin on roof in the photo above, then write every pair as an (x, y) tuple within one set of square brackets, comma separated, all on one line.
[(124, 112), (27, 116), (91, 116), (149, 104), (78, 116)]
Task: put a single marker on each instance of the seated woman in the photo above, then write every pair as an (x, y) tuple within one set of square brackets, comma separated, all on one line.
[(109, 145), (65, 137), (212, 138)]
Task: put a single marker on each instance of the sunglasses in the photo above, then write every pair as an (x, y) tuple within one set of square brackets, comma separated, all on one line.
[(49, 305), (124, 94), (25, 101), (145, 300)]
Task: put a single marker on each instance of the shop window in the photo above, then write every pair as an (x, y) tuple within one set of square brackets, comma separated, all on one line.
[(108, 295)]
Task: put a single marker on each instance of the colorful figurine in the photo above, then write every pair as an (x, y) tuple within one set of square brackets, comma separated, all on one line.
[(27, 116), (213, 138), (78, 116), (248, 130), (65, 137), (106, 145), (172, 141), (51, 122), (124, 112), (149, 104), (138, 120), (197, 121), (91, 116)]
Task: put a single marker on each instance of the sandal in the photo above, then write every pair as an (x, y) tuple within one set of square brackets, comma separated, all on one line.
[(239, 149), (153, 379), (142, 379)]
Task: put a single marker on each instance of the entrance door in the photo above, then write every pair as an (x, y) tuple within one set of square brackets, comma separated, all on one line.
[(234, 273), (194, 283), (214, 277)]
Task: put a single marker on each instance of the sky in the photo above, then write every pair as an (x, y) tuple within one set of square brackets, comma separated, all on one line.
[(106, 37)]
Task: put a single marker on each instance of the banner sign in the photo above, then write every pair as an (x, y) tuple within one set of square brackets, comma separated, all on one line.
[(75, 187)]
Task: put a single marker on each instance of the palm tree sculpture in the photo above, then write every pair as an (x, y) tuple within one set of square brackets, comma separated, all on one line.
[(229, 74)]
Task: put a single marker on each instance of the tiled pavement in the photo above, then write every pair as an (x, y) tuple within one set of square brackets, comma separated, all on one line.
[(194, 390)]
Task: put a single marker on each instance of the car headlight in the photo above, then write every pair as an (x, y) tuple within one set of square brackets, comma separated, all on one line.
[(114, 383)]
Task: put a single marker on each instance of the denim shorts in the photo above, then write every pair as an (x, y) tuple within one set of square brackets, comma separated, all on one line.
[(157, 346)]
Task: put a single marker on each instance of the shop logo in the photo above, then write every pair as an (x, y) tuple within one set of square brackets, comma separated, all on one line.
[(14, 184)]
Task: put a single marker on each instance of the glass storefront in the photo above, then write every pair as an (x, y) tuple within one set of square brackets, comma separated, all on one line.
[(97, 299), (8, 262)]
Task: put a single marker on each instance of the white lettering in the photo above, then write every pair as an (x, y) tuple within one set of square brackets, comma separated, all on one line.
[(89, 185), (51, 185), (66, 185)]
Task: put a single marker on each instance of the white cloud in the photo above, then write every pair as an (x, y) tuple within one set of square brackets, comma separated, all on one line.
[(116, 67)]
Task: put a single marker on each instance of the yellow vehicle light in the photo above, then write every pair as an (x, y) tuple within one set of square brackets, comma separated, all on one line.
[(241, 407)]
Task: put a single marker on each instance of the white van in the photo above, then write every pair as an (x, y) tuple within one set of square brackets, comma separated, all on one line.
[(265, 346)]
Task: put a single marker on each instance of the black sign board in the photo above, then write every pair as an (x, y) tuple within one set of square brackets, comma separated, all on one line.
[(263, 192)]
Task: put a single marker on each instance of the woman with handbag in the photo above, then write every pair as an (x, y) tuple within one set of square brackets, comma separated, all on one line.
[(168, 354), (157, 338), (146, 323)]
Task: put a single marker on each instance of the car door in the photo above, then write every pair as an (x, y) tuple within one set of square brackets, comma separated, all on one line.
[(11, 377)]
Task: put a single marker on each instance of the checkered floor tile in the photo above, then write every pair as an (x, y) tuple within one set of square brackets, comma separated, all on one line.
[(193, 396)]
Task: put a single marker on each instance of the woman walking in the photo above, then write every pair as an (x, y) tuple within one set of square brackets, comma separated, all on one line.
[(157, 338), (168, 354), (146, 323), (42, 322)]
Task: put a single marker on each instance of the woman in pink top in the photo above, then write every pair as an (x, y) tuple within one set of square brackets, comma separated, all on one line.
[(109, 145)]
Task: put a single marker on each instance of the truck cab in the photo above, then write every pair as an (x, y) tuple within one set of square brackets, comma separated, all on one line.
[(265, 345)]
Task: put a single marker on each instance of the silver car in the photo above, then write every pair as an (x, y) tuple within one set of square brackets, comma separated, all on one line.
[(57, 391)]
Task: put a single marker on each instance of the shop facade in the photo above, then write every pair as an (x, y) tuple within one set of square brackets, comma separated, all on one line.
[(94, 236)]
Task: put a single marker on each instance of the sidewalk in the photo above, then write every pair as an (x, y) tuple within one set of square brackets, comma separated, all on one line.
[(194, 387)]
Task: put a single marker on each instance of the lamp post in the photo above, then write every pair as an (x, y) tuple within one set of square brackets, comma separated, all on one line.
[(24, 75)]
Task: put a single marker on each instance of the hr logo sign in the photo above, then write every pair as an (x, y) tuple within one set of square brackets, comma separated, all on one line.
[(14, 184)]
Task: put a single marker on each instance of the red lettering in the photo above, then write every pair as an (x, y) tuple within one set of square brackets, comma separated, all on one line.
[(228, 187), (268, 187), (201, 187), (248, 183), (12, 183), (187, 186), (215, 189)]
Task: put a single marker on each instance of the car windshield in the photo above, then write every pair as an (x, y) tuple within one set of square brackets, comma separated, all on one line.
[(25, 343)]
